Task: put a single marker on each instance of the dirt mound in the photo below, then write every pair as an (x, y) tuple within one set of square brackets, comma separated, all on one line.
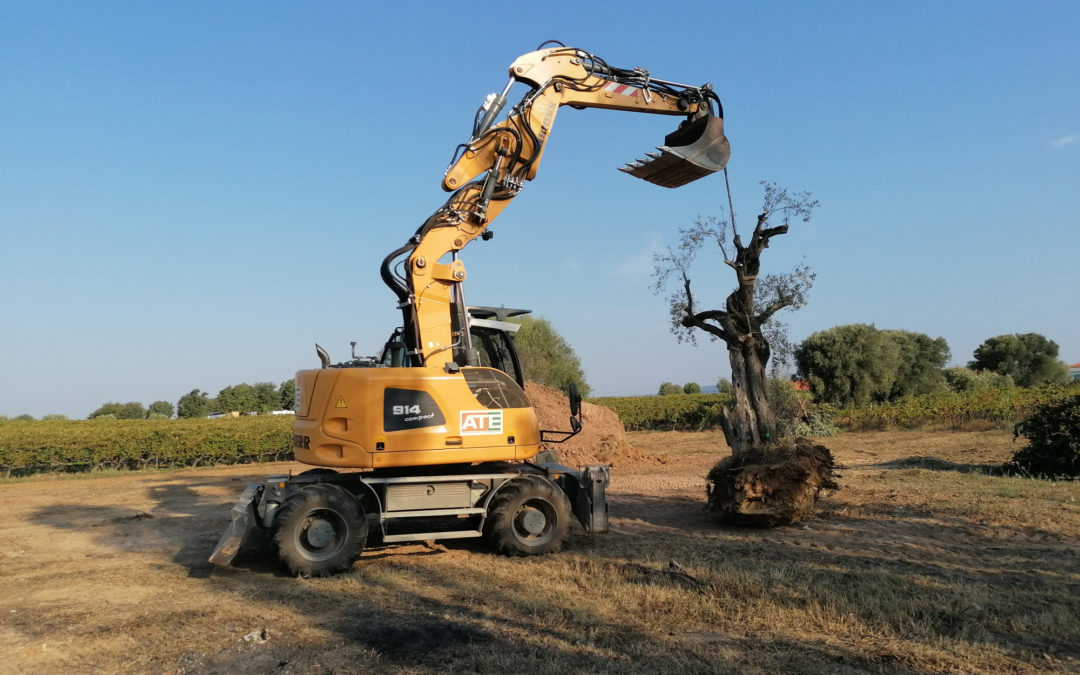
[(602, 439), (772, 486)]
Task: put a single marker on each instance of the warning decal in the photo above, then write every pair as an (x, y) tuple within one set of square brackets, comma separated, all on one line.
[(479, 422), (341, 402), (624, 89)]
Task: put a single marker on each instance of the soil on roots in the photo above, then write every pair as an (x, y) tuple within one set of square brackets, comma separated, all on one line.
[(770, 486), (602, 439)]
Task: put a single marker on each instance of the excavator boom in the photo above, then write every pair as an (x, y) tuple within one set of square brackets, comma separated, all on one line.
[(491, 168)]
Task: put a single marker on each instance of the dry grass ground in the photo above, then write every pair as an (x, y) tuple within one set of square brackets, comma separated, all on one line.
[(921, 563)]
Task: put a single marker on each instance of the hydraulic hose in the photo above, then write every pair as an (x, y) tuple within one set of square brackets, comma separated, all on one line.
[(387, 273)]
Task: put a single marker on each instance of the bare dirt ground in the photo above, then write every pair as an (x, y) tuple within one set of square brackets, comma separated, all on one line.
[(920, 563)]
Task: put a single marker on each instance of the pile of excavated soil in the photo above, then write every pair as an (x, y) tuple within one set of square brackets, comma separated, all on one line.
[(777, 485), (602, 439)]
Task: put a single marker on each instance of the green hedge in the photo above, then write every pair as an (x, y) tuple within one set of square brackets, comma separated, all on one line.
[(674, 412), (83, 445), (951, 410)]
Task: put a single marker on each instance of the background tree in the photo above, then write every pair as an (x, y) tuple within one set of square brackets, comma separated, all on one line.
[(546, 357), (1029, 358), (287, 395), (266, 396), (857, 364), (966, 379), (193, 404), (239, 398), (53, 416), (848, 365), (122, 411), (746, 324), (669, 388), (920, 364), (162, 408), (691, 388), (724, 386)]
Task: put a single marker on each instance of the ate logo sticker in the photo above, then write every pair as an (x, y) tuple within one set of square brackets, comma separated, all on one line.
[(477, 422)]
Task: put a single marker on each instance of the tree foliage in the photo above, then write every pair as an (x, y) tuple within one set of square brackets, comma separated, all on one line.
[(962, 379), (162, 408), (691, 388), (921, 360), (122, 411), (546, 357), (669, 388), (193, 404), (267, 397), (239, 398), (847, 365), (857, 364), (1029, 358), (287, 395)]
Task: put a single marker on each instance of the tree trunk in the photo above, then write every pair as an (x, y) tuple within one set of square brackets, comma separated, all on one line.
[(750, 422)]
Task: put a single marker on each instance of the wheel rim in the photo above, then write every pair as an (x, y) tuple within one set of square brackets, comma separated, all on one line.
[(535, 521), (322, 534)]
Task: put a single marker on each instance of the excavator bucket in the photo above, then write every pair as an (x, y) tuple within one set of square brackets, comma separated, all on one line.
[(695, 150)]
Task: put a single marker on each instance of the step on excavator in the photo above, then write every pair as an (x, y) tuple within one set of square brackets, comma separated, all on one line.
[(435, 438)]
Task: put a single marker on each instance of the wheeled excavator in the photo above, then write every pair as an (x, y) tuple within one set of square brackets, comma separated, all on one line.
[(435, 438)]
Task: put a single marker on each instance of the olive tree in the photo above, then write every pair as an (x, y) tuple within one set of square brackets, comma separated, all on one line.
[(746, 323)]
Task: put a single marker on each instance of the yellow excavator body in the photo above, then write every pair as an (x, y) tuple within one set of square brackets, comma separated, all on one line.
[(369, 418)]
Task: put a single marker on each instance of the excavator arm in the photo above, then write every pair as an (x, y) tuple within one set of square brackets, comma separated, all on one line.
[(491, 168)]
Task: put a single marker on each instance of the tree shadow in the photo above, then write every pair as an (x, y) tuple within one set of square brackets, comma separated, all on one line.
[(932, 464)]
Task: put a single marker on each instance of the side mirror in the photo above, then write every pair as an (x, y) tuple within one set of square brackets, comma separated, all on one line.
[(559, 436), (575, 400), (575, 408)]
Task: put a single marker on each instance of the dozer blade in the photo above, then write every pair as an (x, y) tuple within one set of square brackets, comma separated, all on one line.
[(695, 150), (243, 520)]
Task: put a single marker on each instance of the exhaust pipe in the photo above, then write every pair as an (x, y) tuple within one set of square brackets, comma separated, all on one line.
[(694, 150)]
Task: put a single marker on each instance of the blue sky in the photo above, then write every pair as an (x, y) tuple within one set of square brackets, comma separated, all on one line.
[(192, 194)]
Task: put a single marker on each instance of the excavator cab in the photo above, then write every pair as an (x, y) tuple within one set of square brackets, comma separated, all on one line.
[(491, 342)]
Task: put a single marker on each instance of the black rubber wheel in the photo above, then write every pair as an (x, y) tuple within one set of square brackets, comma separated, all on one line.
[(530, 516), (319, 531)]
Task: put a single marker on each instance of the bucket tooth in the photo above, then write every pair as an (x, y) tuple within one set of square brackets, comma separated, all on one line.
[(696, 150)]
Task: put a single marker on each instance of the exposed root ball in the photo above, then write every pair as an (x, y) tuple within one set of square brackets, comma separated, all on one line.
[(770, 486)]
